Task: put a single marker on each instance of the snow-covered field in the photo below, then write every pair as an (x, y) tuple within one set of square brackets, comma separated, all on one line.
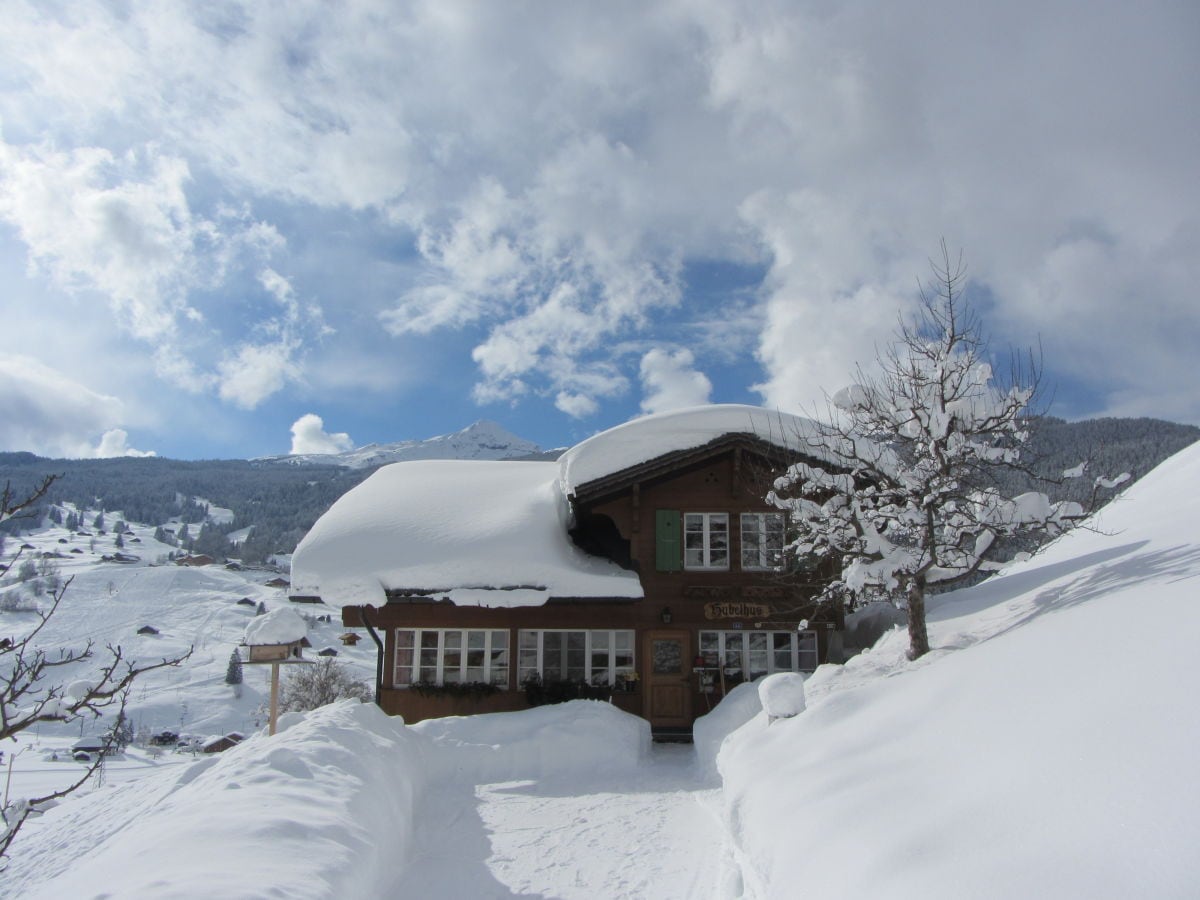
[(1044, 748)]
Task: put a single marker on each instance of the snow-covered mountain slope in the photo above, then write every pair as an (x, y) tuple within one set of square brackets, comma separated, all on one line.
[(1045, 748), (196, 607), (480, 440)]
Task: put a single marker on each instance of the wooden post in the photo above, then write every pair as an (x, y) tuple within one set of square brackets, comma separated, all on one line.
[(274, 698)]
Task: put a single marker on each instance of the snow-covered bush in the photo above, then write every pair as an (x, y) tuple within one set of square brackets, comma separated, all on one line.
[(782, 695)]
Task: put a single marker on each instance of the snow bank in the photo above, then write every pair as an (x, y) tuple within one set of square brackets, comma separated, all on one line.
[(579, 737), (478, 533), (297, 815), (1046, 747), (710, 730), (650, 437)]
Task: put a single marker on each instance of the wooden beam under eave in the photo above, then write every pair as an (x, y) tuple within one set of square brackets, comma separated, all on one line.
[(635, 499), (736, 481)]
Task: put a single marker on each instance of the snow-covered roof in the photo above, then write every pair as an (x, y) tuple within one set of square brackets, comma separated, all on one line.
[(480, 533), (650, 437), (279, 626)]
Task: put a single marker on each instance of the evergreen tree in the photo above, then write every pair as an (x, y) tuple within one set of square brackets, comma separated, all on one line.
[(98, 522), (233, 673), (72, 522), (119, 543), (261, 609)]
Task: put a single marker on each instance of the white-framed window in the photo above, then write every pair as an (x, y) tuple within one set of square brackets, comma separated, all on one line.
[(451, 656), (762, 540), (705, 540), (597, 656), (751, 654)]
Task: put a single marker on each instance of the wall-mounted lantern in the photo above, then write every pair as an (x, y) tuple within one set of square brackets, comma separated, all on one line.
[(666, 615)]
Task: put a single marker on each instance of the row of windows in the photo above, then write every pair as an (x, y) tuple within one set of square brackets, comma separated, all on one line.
[(600, 657), (706, 540), (752, 654)]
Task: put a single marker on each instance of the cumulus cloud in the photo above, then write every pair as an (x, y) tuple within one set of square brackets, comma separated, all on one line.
[(115, 442), (309, 436), (670, 381), (45, 412)]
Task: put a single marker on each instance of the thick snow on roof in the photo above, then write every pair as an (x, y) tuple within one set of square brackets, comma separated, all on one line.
[(279, 626), (478, 532), (650, 437)]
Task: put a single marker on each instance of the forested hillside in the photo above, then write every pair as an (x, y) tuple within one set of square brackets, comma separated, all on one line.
[(280, 502), (1110, 446)]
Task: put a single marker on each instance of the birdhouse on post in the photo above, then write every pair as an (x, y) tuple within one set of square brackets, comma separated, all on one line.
[(275, 639)]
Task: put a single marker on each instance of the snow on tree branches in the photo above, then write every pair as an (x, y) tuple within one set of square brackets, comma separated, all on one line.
[(916, 502)]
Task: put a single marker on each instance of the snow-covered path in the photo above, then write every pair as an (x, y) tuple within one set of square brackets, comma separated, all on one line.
[(653, 833)]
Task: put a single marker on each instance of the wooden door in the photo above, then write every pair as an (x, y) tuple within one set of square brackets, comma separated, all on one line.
[(666, 662)]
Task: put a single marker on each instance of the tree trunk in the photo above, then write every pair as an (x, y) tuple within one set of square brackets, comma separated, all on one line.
[(918, 634)]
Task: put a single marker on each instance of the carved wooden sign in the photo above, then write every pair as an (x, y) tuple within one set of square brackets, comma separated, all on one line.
[(736, 609)]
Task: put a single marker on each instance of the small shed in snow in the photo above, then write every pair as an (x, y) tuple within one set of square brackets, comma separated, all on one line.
[(147, 629), (221, 743)]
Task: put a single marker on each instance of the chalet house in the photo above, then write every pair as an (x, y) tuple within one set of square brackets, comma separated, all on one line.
[(644, 562)]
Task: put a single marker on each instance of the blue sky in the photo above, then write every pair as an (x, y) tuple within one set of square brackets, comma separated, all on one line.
[(217, 219)]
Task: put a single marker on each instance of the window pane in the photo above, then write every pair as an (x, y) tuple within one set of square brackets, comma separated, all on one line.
[(624, 640), (807, 656), (453, 640), (404, 639), (429, 639), (475, 639), (527, 638), (668, 657), (599, 640)]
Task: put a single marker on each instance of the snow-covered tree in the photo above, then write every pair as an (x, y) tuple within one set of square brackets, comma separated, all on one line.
[(30, 693), (308, 687), (233, 672), (914, 502)]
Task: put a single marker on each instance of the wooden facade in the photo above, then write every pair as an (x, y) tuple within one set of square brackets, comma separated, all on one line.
[(692, 633)]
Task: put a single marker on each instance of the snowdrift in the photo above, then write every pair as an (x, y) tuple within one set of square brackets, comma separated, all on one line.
[(1045, 748), (325, 808), (297, 815)]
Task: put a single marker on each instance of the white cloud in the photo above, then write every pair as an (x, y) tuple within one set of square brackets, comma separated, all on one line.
[(256, 372), (45, 412), (115, 442), (309, 436), (577, 406), (670, 381)]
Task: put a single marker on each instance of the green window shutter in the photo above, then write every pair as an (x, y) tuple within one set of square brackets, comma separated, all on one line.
[(667, 554)]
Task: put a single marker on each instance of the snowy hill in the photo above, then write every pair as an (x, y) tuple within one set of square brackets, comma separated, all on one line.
[(1045, 748), (480, 440)]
